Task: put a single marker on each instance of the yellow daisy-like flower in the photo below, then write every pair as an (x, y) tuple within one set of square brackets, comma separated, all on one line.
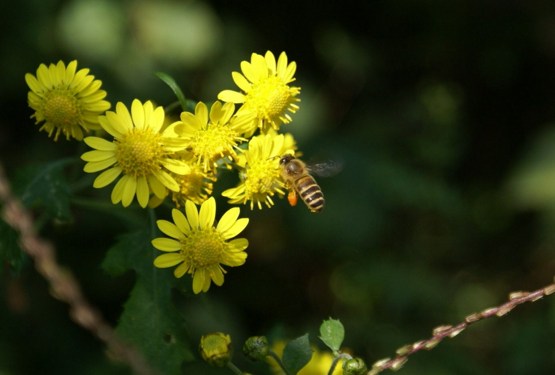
[(196, 186), (140, 153), (211, 136), (260, 173), (66, 100), (266, 93), (197, 247)]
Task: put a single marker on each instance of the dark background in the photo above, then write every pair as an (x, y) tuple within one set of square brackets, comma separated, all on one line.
[(442, 115)]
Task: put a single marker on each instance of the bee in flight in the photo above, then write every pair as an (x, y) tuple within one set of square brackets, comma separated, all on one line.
[(301, 183)]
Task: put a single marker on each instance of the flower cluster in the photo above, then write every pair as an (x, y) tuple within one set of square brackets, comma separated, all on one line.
[(148, 159)]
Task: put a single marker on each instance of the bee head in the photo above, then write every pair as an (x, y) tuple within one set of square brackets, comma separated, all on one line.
[(286, 159)]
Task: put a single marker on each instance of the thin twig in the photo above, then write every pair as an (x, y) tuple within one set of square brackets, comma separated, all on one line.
[(441, 332), (63, 285)]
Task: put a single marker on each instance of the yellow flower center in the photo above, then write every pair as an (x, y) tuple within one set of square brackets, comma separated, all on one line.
[(194, 186), (204, 247), (270, 98), (263, 177), (61, 109), (215, 141), (140, 152)]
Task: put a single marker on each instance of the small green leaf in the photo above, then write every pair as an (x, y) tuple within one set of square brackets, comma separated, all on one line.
[(186, 105), (297, 354), (332, 334)]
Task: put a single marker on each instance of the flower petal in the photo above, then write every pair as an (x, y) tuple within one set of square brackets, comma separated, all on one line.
[(192, 214), (143, 192), (180, 221), (231, 96), (236, 228), (182, 269), (106, 177), (228, 219), (166, 244), (138, 114), (207, 213), (168, 260), (129, 190), (201, 281), (237, 245), (100, 144), (169, 229)]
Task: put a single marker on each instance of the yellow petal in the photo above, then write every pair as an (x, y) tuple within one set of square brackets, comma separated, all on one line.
[(169, 229), (106, 177), (138, 114), (228, 219), (231, 96), (180, 221), (167, 260), (166, 244), (129, 190), (236, 228), (100, 144), (207, 213), (192, 214), (142, 191)]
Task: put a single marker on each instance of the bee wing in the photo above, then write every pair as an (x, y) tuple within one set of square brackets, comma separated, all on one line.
[(325, 169)]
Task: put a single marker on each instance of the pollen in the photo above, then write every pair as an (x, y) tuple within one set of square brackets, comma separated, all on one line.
[(263, 177), (204, 248), (270, 97), (62, 108), (140, 153), (212, 142)]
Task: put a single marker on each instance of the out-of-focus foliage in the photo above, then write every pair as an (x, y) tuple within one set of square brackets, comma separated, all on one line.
[(441, 114)]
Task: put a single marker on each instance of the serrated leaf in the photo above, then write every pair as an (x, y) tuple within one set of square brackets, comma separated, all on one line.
[(332, 333), (48, 189), (153, 326), (150, 321), (296, 354), (10, 252)]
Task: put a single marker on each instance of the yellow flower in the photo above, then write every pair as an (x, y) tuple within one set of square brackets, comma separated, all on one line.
[(196, 185), (211, 137), (260, 176), (266, 93), (139, 152), (319, 364), (66, 100), (197, 247)]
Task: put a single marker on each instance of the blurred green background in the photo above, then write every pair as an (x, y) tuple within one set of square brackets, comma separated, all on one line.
[(442, 114)]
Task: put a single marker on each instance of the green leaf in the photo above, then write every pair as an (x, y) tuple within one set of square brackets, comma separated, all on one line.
[(297, 354), (48, 189), (10, 251), (186, 105), (332, 334), (152, 324)]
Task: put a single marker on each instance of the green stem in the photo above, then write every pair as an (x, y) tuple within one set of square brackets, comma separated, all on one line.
[(168, 80), (278, 360), (234, 368), (336, 360)]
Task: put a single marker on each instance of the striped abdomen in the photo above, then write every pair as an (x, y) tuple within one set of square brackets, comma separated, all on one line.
[(310, 193)]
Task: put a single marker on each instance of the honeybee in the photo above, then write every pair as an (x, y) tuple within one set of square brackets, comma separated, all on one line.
[(301, 183)]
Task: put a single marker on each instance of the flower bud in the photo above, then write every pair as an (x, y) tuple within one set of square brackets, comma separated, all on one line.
[(215, 348), (354, 366), (256, 348)]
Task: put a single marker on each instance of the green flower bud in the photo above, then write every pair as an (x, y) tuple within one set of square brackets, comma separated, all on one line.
[(256, 348), (215, 348), (354, 366)]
